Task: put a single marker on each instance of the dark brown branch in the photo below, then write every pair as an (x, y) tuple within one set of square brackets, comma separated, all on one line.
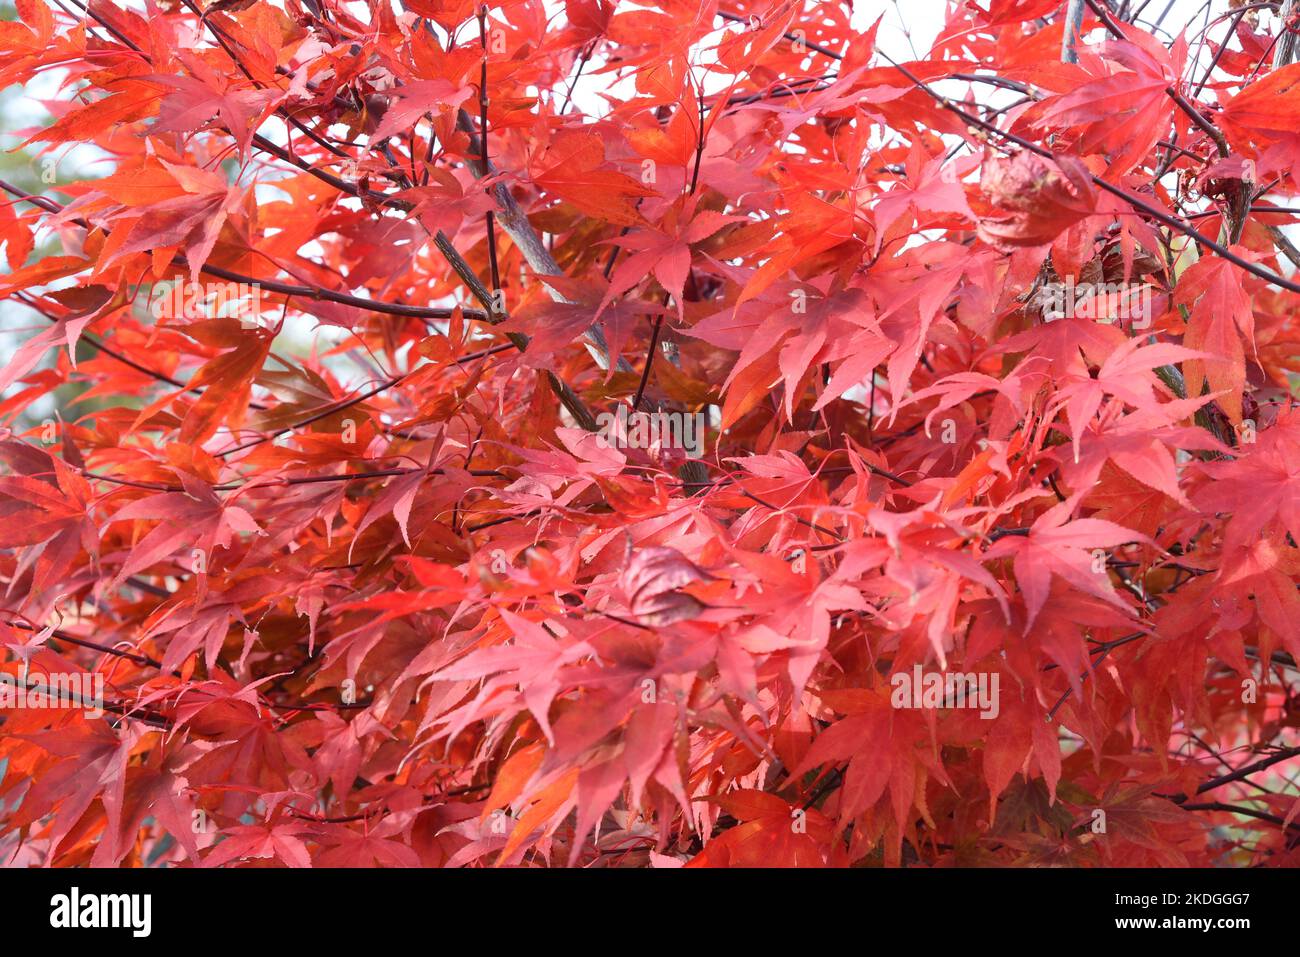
[(1238, 775), (283, 482), (139, 659)]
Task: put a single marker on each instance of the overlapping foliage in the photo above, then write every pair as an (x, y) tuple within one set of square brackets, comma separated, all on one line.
[(386, 599)]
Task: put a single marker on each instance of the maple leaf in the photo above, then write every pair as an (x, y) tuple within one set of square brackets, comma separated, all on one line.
[(862, 737), (1140, 443), (1126, 375), (574, 169), (158, 791), (196, 101), (1221, 324), (350, 849), (770, 834), (535, 653), (411, 101), (551, 325), (664, 252), (1263, 112), (1260, 487), (253, 842), (48, 520), (937, 189), (782, 333), (1121, 112), (1056, 546), (89, 762), (131, 100), (445, 203), (652, 582), (1037, 199)]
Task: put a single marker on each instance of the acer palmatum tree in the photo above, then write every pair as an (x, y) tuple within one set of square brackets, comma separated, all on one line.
[(616, 435)]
